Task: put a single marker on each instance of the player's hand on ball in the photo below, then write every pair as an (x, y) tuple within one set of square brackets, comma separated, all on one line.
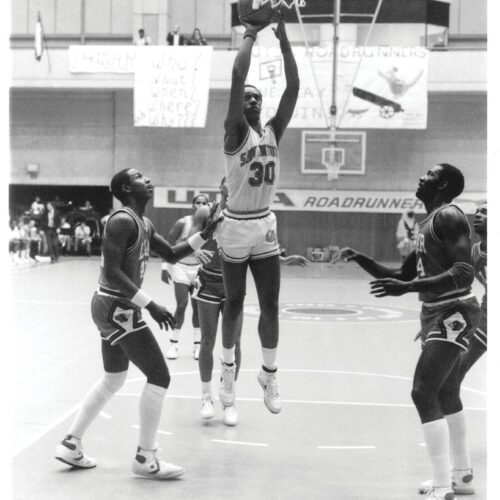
[(347, 254), (161, 315), (214, 218), (280, 31), (388, 286), (204, 256)]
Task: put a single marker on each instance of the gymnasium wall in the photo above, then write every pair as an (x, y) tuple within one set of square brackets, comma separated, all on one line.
[(82, 137)]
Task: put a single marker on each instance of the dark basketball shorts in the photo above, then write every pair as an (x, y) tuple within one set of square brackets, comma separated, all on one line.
[(209, 287), (482, 328), (115, 317), (453, 322)]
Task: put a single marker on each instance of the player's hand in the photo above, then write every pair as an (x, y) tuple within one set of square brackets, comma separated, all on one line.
[(215, 217), (348, 254), (298, 260), (204, 256), (388, 286), (418, 336), (255, 28), (165, 276), (280, 31), (161, 315)]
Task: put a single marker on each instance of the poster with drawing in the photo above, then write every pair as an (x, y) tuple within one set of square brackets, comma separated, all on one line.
[(377, 87)]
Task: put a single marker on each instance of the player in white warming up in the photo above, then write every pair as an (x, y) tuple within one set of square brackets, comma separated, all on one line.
[(247, 236)]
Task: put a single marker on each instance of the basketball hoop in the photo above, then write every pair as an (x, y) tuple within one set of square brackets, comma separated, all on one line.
[(333, 159), (332, 170)]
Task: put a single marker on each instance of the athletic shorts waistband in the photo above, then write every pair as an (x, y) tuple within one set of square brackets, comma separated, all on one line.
[(256, 214), (112, 293), (464, 295)]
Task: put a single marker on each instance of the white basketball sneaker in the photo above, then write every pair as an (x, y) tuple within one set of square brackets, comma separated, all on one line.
[(196, 351), (70, 451), (226, 387), (436, 493), (230, 416), (462, 483), (173, 351), (146, 464), (272, 398), (207, 407)]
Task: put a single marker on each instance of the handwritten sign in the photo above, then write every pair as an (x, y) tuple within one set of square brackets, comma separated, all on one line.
[(101, 59), (171, 86), (394, 81)]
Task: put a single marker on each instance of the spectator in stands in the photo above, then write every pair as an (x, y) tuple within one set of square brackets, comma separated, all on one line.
[(64, 235), (36, 209), (35, 239), (24, 245), (196, 38), (83, 237), (406, 233), (14, 242), (174, 37), (87, 207), (51, 220), (143, 39), (105, 218)]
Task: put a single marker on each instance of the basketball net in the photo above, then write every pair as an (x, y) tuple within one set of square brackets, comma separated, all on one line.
[(333, 160), (285, 3)]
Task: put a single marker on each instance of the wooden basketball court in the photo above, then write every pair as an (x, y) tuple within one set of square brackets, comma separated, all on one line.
[(348, 429)]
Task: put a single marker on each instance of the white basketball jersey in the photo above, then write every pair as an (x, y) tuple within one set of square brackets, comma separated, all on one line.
[(252, 174), (190, 260)]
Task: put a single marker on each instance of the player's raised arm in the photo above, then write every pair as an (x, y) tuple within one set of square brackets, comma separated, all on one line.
[(235, 124), (289, 98)]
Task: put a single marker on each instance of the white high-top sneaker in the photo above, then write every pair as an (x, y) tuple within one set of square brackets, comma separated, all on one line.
[(207, 407), (146, 464), (272, 398), (70, 451), (226, 387), (230, 416)]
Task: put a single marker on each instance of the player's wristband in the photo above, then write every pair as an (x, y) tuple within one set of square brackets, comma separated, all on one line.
[(196, 241), (164, 266), (141, 299), (250, 35)]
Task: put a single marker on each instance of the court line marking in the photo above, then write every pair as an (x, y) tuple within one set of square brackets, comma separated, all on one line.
[(245, 443), (300, 401), (72, 410), (299, 370), (368, 447)]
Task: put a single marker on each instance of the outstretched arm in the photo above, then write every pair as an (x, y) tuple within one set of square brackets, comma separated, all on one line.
[(290, 95), (235, 124)]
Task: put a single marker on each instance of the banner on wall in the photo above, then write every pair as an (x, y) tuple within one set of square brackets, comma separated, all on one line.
[(171, 86), (102, 58), (389, 91), (310, 200)]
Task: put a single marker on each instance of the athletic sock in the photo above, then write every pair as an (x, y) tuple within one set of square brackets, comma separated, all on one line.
[(437, 441), (196, 335), (206, 388), (457, 427), (228, 355), (174, 336), (150, 408), (94, 402), (269, 359)]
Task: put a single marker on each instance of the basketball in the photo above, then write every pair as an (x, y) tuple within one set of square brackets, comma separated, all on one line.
[(255, 12)]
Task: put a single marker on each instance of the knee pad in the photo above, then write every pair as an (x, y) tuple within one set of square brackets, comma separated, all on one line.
[(113, 382)]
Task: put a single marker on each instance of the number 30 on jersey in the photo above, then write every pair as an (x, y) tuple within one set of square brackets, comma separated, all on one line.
[(262, 173)]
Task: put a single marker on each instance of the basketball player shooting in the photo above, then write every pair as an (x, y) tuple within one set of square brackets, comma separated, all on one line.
[(247, 237)]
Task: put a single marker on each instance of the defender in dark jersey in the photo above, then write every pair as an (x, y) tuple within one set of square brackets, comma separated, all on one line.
[(116, 311), (478, 343), (440, 271)]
